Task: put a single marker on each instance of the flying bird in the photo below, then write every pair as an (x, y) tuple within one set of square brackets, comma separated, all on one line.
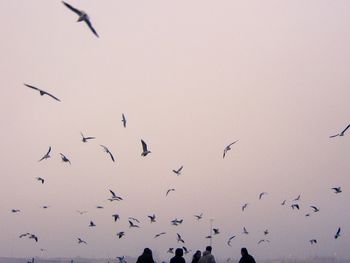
[(124, 120), (152, 218), (229, 240), (145, 150), (244, 206), (132, 224), (341, 133), (266, 232), (107, 151), (15, 210), (216, 231), (92, 224), (46, 156), (337, 190), (295, 206), (315, 208), (262, 194), (116, 217), (64, 158), (24, 235), (228, 148), (171, 250), (297, 199), (80, 241), (82, 17), (178, 171), (114, 197), (42, 92), (99, 207), (169, 190), (40, 179), (337, 234), (245, 231), (199, 217), (32, 236), (158, 235), (179, 238), (284, 202), (85, 139), (120, 234), (313, 241)]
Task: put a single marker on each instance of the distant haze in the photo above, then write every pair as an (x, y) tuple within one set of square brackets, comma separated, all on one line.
[(191, 77)]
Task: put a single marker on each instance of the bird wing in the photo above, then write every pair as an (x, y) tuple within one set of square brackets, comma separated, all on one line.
[(335, 135), (110, 154), (52, 96), (231, 144), (113, 194), (32, 87), (347, 127), (78, 12), (144, 146), (87, 21), (180, 169)]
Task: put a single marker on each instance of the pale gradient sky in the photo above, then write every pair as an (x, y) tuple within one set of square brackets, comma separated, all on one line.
[(191, 77)]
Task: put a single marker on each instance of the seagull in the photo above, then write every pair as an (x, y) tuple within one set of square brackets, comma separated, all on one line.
[(262, 194), (40, 179), (244, 206), (85, 139), (107, 151), (116, 217), (337, 190), (341, 133), (216, 231), (229, 240), (284, 202), (337, 234), (124, 120), (152, 218), (178, 171), (99, 207), (169, 190), (45, 206), (131, 224), (24, 235), (120, 234), (92, 224), (315, 208), (307, 215), (64, 158), (158, 235), (145, 151), (297, 199), (186, 251), (134, 219), (199, 216), (227, 148), (46, 156), (313, 241), (121, 259), (179, 238), (80, 241), (42, 92), (266, 232), (34, 237), (15, 210), (171, 250), (176, 222), (295, 206), (82, 17), (245, 231), (114, 197)]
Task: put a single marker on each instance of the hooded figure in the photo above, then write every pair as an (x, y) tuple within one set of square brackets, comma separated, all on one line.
[(246, 258), (178, 258), (146, 256), (207, 256), (196, 256)]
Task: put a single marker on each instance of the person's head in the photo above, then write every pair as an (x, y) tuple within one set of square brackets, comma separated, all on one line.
[(244, 251), (197, 254), (147, 251), (179, 252), (208, 248)]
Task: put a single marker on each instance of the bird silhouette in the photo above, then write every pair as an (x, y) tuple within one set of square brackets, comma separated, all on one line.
[(341, 133), (199, 217), (131, 224), (178, 171), (40, 179), (313, 241), (337, 234), (82, 17), (92, 224), (229, 240), (179, 238), (46, 156), (85, 139), (120, 234), (64, 158), (124, 120), (160, 234), (315, 208), (80, 241), (42, 92), (337, 190), (145, 150), (295, 206), (262, 194), (228, 148), (169, 190), (107, 151), (116, 217), (152, 218)]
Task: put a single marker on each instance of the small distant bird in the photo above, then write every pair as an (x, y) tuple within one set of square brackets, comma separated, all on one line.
[(307, 215), (295, 206), (80, 241), (176, 222), (64, 158), (24, 235), (245, 231), (178, 171), (85, 139), (15, 210), (315, 208), (160, 234), (120, 234), (341, 133), (81, 212), (216, 231), (284, 202), (42, 92), (114, 197), (228, 148), (152, 218), (45, 207), (131, 224), (92, 224), (209, 237), (313, 241), (263, 240), (107, 151), (199, 217), (99, 207), (124, 120), (244, 206), (266, 232), (32, 236), (229, 240), (40, 179), (116, 217), (186, 251), (337, 234), (297, 199), (179, 238), (337, 190), (262, 194), (46, 156), (82, 17), (169, 190), (145, 150), (171, 250), (134, 219)]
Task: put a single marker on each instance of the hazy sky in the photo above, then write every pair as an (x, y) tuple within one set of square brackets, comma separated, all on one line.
[(191, 77)]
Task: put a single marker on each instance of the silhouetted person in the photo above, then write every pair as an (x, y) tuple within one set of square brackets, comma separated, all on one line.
[(178, 258), (146, 256), (246, 258), (196, 256), (207, 256)]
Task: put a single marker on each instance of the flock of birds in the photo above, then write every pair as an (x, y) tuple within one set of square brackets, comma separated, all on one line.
[(134, 222)]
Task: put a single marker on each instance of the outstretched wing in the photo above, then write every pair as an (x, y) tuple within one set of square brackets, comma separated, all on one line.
[(52, 96), (78, 12), (144, 146), (347, 127), (32, 87), (87, 21)]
